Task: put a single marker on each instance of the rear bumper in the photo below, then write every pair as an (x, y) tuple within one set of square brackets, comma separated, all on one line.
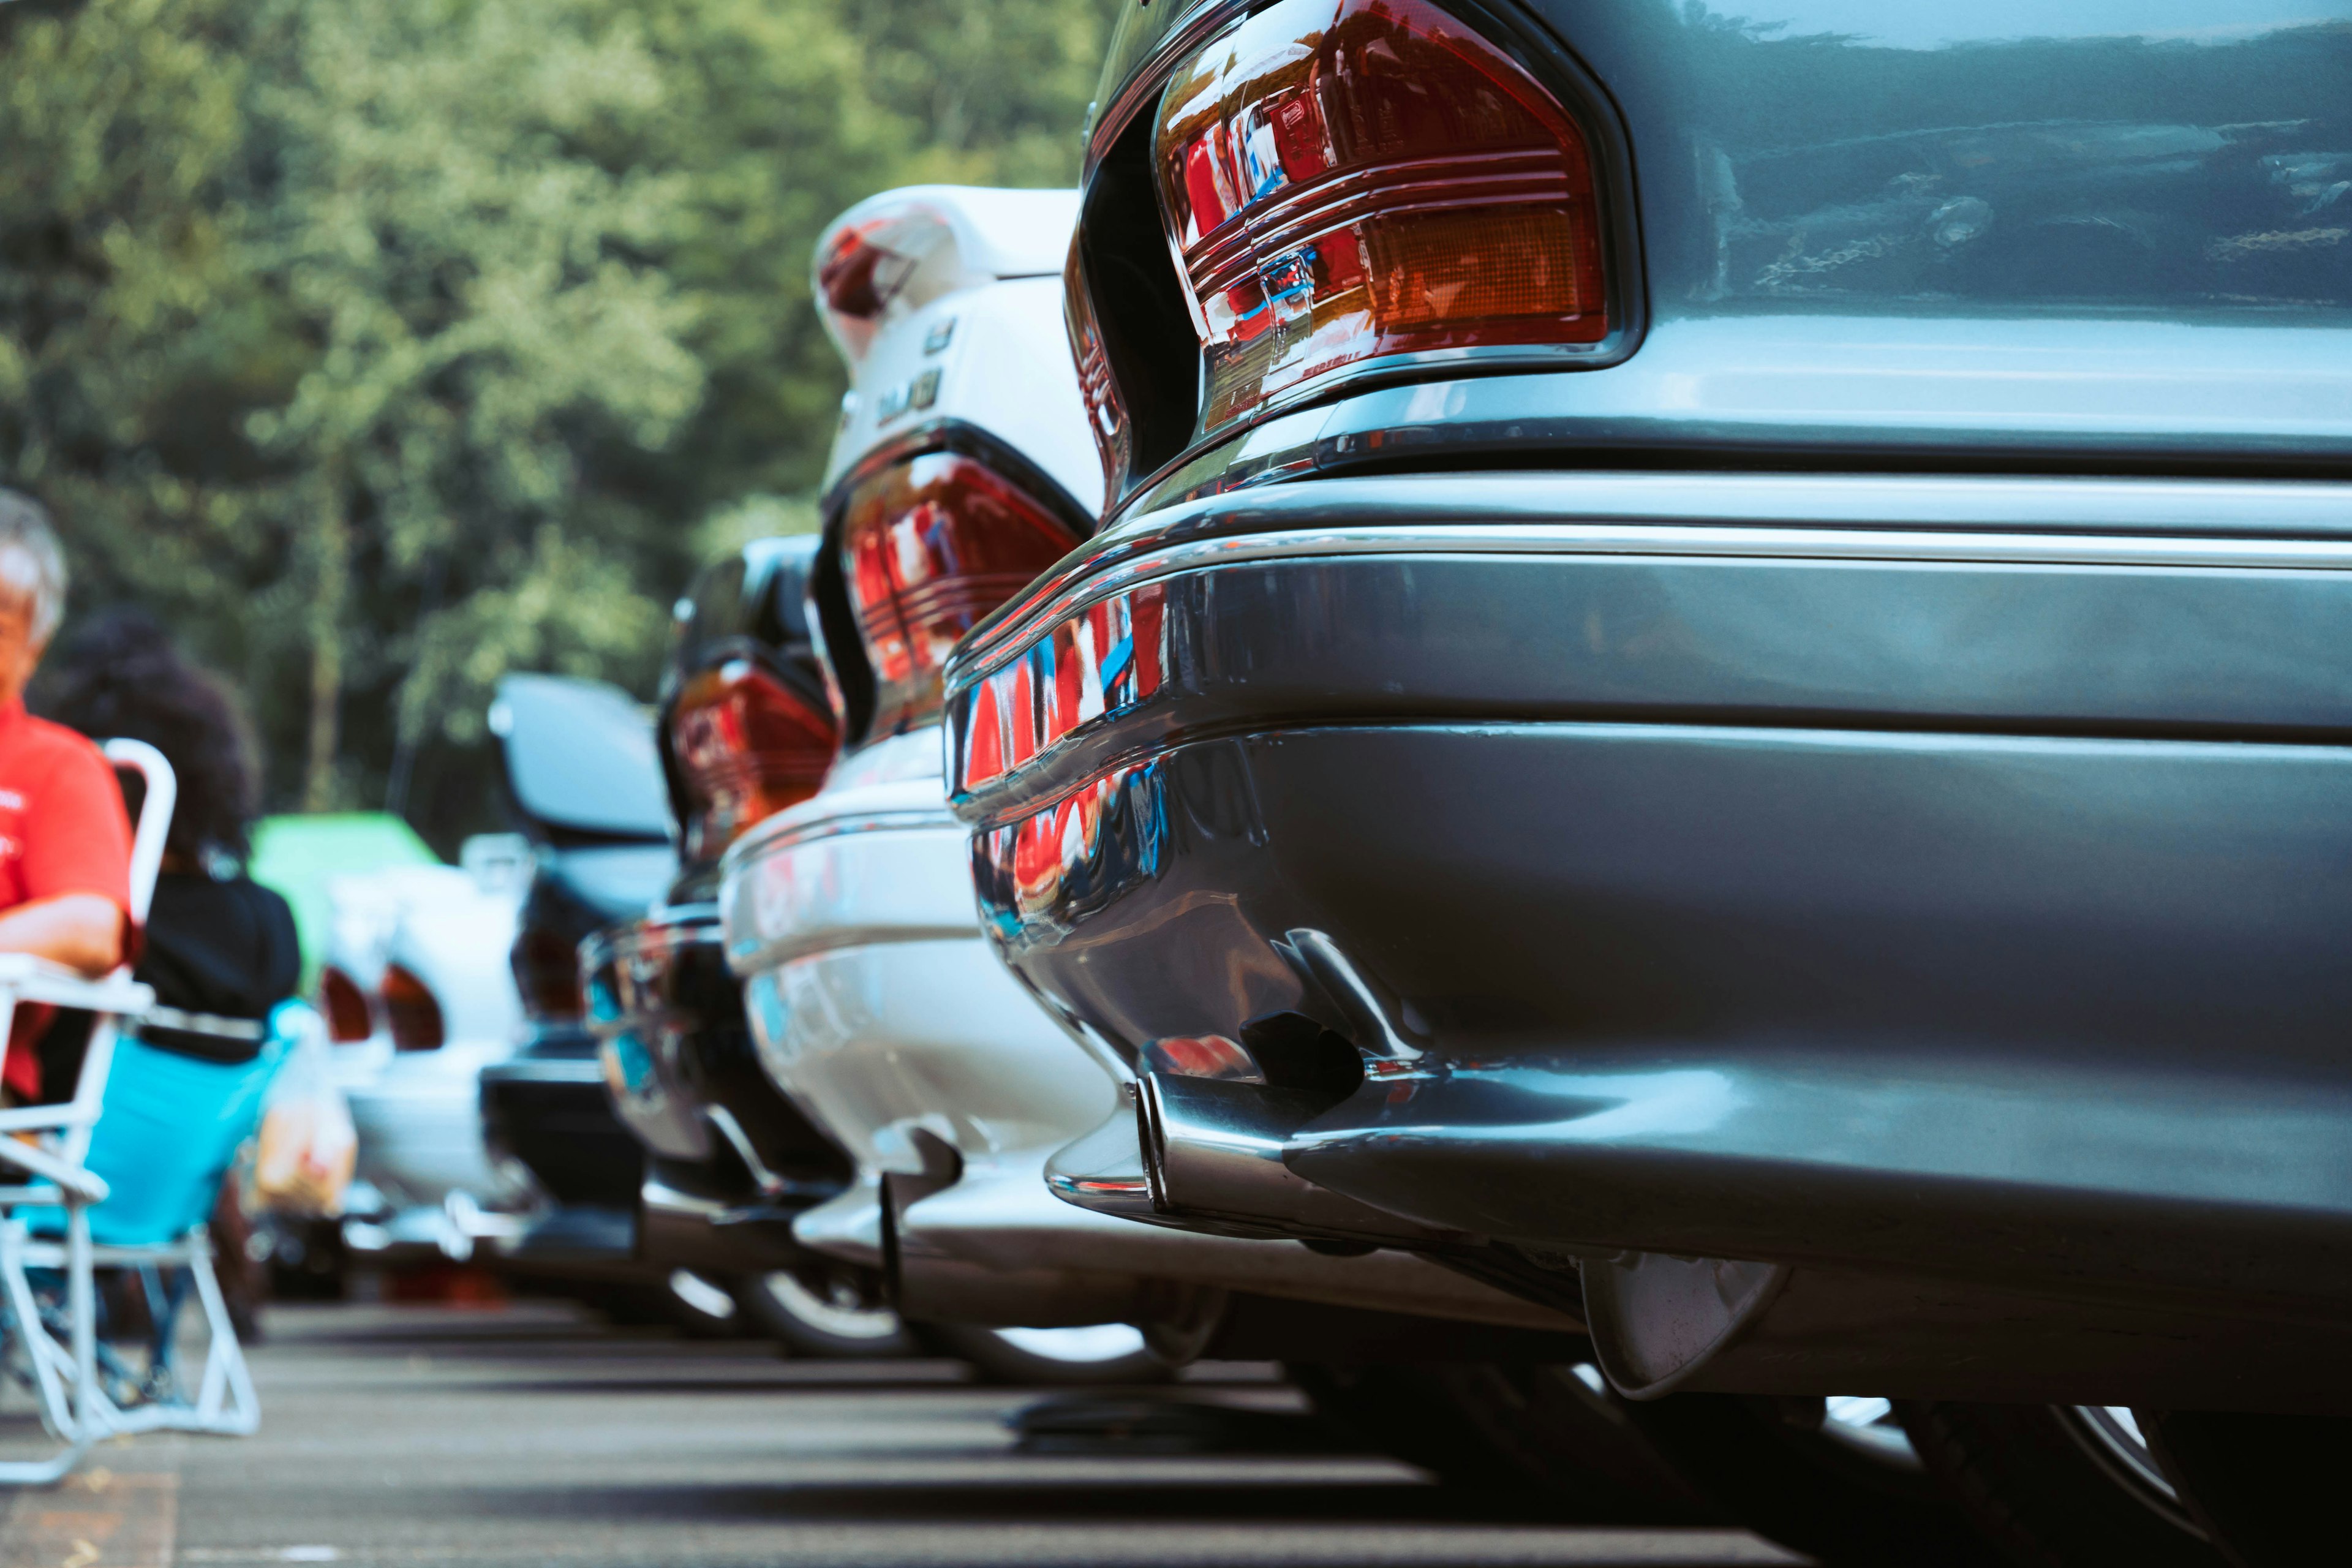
[(682, 1222), (1938, 875), (678, 1061), (879, 1006), (419, 1121), (876, 1004), (998, 1246), (546, 1105), (576, 1241), (648, 990)]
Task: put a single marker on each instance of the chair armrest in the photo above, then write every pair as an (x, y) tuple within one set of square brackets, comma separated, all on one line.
[(86, 1185), (37, 980)]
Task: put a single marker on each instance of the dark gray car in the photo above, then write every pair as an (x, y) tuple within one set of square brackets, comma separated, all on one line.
[(1720, 677)]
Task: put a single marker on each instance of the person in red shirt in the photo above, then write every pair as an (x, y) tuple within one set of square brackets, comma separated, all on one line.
[(64, 838)]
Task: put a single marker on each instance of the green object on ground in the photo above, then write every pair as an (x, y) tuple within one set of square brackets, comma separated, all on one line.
[(297, 855)]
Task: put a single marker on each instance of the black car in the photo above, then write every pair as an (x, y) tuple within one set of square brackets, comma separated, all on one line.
[(582, 782), (1721, 669), (744, 731)]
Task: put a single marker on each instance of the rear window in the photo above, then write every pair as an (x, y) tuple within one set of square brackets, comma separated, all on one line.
[(2212, 168)]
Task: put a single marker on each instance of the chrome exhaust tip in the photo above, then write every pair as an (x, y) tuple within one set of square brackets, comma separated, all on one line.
[(1205, 1155)]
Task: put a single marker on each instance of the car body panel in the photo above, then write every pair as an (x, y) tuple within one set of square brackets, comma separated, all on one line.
[(960, 337), (1925, 231), (875, 1000), (1925, 898), (879, 1006), (419, 1113), (1847, 391)]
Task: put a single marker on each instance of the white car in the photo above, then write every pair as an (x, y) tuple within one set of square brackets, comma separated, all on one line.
[(963, 468), (424, 949)]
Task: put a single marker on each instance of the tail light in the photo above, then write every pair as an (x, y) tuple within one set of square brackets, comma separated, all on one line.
[(411, 1013), (858, 275), (547, 971), (348, 1020), (928, 547), (749, 746), (1347, 179)]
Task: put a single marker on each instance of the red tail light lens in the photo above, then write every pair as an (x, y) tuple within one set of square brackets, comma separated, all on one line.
[(928, 547), (346, 1007), (859, 275), (1347, 179), (749, 746), (547, 971), (411, 1013)]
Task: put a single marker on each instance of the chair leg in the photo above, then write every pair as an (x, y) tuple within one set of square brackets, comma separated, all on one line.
[(44, 1355), (227, 1402), (81, 1310)]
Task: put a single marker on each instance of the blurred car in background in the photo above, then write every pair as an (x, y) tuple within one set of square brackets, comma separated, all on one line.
[(583, 782), (1716, 679), (961, 470), (417, 999), (305, 859), (743, 732)]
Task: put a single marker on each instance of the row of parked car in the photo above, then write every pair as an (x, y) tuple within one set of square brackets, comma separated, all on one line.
[(1626, 728)]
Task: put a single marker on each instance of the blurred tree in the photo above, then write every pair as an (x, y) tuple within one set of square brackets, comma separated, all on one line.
[(381, 350), (133, 335)]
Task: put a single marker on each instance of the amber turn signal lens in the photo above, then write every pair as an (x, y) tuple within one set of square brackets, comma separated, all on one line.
[(1344, 180)]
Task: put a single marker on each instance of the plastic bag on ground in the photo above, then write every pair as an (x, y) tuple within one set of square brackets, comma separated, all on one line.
[(307, 1145)]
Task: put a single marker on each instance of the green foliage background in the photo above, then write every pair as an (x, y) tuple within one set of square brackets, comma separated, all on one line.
[(380, 349)]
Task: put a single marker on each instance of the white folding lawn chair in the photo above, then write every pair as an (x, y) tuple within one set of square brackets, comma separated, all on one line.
[(48, 1148)]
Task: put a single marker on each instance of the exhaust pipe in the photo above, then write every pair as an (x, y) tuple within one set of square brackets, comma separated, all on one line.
[(1205, 1155), (931, 1278), (1213, 1148)]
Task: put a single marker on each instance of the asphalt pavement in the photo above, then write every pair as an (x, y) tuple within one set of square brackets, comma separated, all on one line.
[(526, 1435)]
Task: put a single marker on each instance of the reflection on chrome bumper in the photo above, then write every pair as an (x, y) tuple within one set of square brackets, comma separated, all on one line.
[(1001, 1220), (650, 985)]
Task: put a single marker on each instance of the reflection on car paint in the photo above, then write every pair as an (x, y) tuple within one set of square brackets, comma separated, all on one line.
[(1075, 855), (1101, 662)]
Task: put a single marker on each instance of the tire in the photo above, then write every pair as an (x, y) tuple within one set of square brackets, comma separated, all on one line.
[(1092, 1357), (820, 1317), (1845, 1493), (2263, 1487), (2058, 1487), (1535, 1433), (650, 1303)]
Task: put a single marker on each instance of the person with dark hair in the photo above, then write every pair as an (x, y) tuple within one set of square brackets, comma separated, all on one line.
[(221, 950)]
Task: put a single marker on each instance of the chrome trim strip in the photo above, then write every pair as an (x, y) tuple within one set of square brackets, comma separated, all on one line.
[(2226, 525), (546, 1070)]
